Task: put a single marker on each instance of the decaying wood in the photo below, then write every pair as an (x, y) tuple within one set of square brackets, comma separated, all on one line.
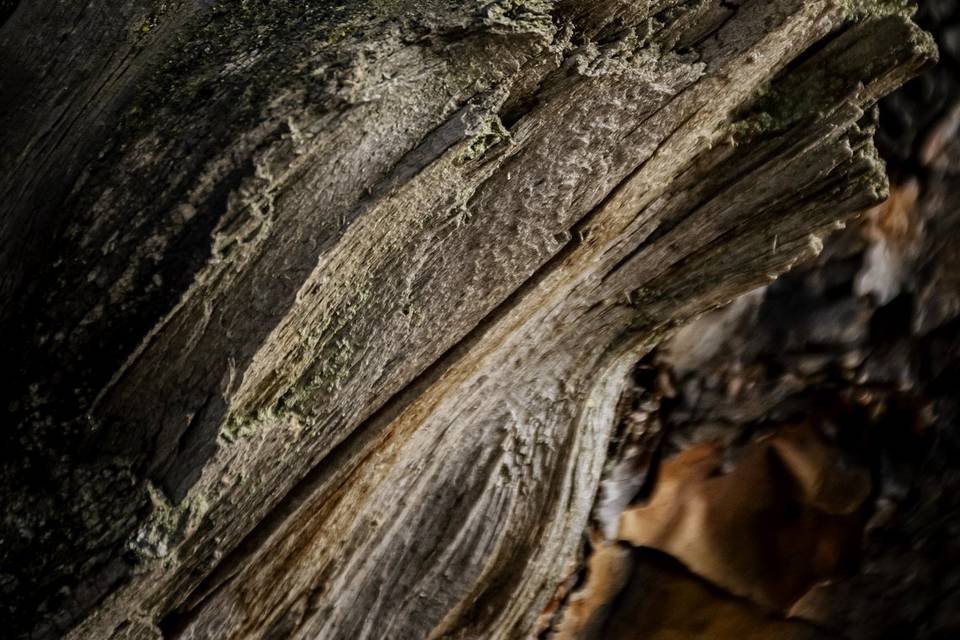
[(316, 317), (862, 341)]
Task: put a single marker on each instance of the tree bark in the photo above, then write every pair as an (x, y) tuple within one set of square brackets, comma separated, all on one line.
[(316, 316)]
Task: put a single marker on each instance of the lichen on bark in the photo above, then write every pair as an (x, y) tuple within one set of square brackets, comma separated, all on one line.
[(329, 256)]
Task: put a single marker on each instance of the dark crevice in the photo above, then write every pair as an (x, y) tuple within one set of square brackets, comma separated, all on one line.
[(7, 9)]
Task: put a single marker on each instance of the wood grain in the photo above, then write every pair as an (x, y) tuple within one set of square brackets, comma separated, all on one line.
[(317, 316)]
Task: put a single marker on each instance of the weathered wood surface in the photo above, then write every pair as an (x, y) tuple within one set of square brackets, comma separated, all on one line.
[(315, 316)]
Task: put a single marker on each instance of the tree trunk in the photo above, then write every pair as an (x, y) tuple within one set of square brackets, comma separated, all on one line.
[(317, 316)]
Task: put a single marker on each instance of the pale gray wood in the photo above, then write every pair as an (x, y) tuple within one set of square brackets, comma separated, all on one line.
[(317, 316)]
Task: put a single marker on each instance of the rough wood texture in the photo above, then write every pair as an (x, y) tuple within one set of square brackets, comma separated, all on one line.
[(316, 316), (861, 346)]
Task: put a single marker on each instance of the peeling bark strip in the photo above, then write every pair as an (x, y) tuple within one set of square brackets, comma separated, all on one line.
[(316, 316)]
